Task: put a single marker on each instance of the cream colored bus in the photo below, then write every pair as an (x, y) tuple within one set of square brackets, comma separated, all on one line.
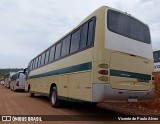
[(107, 58)]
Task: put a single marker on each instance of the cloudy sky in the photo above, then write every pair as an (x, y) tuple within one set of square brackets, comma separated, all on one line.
[(27, 27)]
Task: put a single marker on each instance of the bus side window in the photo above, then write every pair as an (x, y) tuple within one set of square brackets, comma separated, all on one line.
[(36, 64), (52, 53), (39, 61), (33, 65), (47, 57), (84, 36), (75, 41), (65, 45), (90, 33), (42, 60), (58, 50)]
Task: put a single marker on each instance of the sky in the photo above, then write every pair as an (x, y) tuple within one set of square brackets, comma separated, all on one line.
[(27, 27)]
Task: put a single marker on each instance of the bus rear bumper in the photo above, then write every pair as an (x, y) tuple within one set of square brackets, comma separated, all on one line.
[(105, 93)]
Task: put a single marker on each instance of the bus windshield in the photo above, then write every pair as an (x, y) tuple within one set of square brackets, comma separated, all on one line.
[(127, 26)]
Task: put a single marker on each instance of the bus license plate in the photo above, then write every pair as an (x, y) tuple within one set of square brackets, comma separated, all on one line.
[(132, 99)]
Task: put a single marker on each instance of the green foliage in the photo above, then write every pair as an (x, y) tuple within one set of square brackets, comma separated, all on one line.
[(5, 71)]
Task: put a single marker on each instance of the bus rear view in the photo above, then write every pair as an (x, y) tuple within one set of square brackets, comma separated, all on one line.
[(126, 64)]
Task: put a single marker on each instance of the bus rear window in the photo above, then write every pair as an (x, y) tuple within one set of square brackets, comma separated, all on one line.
[(127, 26)]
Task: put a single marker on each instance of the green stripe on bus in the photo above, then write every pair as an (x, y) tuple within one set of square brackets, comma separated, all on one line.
[(129, 74), (71, 69)]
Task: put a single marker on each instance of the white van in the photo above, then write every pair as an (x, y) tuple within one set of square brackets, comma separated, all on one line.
[(18, 81), (7, 79)]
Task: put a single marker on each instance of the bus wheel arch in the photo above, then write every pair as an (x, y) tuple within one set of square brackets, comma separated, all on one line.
[(52, 85)]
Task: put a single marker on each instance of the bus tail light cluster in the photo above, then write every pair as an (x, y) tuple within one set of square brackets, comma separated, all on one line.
[(17, 84), (103, 72)]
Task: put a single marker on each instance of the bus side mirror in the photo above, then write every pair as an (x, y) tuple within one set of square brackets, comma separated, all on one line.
[(25, 71)]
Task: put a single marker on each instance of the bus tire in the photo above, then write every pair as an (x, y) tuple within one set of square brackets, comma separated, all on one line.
[(55, 102)]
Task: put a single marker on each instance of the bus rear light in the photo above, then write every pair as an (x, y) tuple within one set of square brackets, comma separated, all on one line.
[(103, 72), (17, 84)]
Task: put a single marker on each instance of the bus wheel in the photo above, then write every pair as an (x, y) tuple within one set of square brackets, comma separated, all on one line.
[(31, 94), (55, 103)]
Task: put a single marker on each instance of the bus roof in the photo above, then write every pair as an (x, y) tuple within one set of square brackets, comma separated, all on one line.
[(97, 12)]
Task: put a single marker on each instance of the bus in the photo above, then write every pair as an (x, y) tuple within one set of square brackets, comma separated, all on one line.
[(7, 79), (156, 56), (108, 57), (18, 81)]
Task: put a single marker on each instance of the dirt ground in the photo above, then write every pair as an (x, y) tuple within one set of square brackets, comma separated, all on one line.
[(19, 103), (148, 108)]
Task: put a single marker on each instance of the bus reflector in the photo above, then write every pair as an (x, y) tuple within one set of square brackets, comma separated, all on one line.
[(103, 72), (103, 66), (103, 78)]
